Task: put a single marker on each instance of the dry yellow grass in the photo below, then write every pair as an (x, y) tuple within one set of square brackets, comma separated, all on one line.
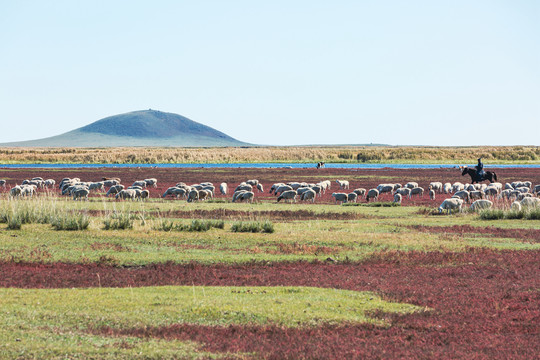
[(362, 154)]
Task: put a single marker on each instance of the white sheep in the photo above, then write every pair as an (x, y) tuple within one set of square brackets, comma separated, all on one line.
[(531, 202), (3, 183), (398, 197), (516, 206), (238, 195), (308, 195), (126, 194), (361, 192), (80, 193), (340, 197), (223, 188), (372, 194), (115, 189), (451, 204), (193, 195), (151, 182), (405, 191), (411, 185), (280, 190), (385, 188), (463, 195), (447, 188), (436, 186), (343, 184), (288, 195), (140, 183), (480, 205), (432, 194), (352, 197), (244, 186), (417, 191)]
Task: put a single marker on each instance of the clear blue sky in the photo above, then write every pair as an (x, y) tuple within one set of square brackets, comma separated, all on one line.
[(278, 72)]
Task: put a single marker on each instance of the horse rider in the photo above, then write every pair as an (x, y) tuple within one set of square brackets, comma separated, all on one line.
[(480, 169)]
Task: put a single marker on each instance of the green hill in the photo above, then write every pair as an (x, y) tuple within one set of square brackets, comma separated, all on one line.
[(138, 128)]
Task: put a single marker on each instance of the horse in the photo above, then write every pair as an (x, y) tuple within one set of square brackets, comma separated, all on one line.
[(488, 175)]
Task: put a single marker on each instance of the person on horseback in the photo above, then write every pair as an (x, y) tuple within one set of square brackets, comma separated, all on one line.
[(480, 170)]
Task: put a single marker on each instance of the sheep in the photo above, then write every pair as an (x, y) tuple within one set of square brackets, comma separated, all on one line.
[(204, 194), (246, 196), (340, 197), (274, 187), (524, 195), (309, 194), (135, 187), (287, 195), (491, 191), (193, 195), (476, 194), (480, 205), (516, 206), (96, 186), (109, 183), (436, 186), (145, 194), (210, 188), (260, 187), (508, 186), (527, 184), (238, 195), (372, 194), (223, 188), (244, 186), (417, 191), (140, 183), (114, 179), (471, 187), (457, 186), (325, 185), (405, 191), (385, 188), (451, 204), (151, 182), (352, 197), (411, 185), (252, 182), (432, 194), (535, 190), (318, 189), (126, 194), (447, 188), (282, 189), (49, 182), (463, 195), (80, 193), (505, 194), (360, 192), (397, 186), (3, 183), (398, 197), (15, 191), (523, 189), (207, 183), (302, 190), (295, 185), (115, 189), (343, 184), (530, 202)]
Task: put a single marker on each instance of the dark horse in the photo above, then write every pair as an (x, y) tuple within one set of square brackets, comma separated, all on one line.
[(488, 175)]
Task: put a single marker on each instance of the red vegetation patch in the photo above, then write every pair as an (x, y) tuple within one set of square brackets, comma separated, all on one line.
[(486, 303), (529, 235)]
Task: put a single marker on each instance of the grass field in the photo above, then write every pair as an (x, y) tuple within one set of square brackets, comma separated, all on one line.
[(329, 281)]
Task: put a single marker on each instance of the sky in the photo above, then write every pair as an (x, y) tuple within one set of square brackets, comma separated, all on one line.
[(295, 72)]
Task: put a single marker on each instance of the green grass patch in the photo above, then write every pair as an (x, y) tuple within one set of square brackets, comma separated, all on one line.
[(253, 227)]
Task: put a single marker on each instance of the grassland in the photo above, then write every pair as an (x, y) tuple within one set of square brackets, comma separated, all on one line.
[(306, 154), (330, 281)]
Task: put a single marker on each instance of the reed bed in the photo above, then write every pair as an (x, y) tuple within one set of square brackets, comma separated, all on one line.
[(299, 154)]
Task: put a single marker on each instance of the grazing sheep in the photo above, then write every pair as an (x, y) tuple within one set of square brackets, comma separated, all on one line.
[(480, 205), (151, 182), (463, 195), (398, 197), (80, 193), (126, 194), (523, 189), (432, 194), (244, 186), (447, 188), (260, 187), (361, 192), (405, 191), (476, 194), (436, 186), (15, 191), (535, 190), (204, 194), (343, 184), (508, 186), (223, 188), (309, 194), (457, 186), (524, 195), (145, 194), (252, 182), (530, 202), (471, 187), (411, 185), (207, 183), (109, 183), (274, 187), (372, 194), (318, 189), (115, 189), (340, 197), (282, 189), (96, 186), (114, 179), (135, 187), (302, 190), (505, 194), (491, 191), (49, 182), (385, 188), (140, 183), (3, 183), (238, 195), (210, 188), (451, 204), (352, 197), (417, 191), (287, 195), (193, 195), (516, 206), (246, 196)]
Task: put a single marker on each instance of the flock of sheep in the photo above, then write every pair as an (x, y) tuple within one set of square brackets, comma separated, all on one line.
[(522, 193)]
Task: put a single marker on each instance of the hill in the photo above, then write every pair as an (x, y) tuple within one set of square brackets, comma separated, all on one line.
[(138, 128)]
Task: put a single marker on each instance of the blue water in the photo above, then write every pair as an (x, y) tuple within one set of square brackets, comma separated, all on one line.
[(252, 166)]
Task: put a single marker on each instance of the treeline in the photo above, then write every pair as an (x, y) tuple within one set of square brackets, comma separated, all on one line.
[(337, 154)]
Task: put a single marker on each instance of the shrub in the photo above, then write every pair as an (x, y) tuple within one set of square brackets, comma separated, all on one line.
[(196, 225), (533, 214), (14, 222), (373, 204), (253, 226), (492, 214), (71, 221), (118, 221)]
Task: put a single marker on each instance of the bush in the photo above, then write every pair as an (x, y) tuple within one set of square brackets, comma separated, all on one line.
[(533, 214), (196, 225), (71, 221), (254, 227), (119, 221), (374, 204), (492, 214), (14, 222)]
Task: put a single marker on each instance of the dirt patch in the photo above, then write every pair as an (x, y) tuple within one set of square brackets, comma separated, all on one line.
[(528, 235)]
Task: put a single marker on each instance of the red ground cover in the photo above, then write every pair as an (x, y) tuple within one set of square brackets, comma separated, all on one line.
[(528, 235), (486, 303)]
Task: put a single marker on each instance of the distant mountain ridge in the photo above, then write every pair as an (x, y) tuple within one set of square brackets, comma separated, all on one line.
[(138, 128)]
